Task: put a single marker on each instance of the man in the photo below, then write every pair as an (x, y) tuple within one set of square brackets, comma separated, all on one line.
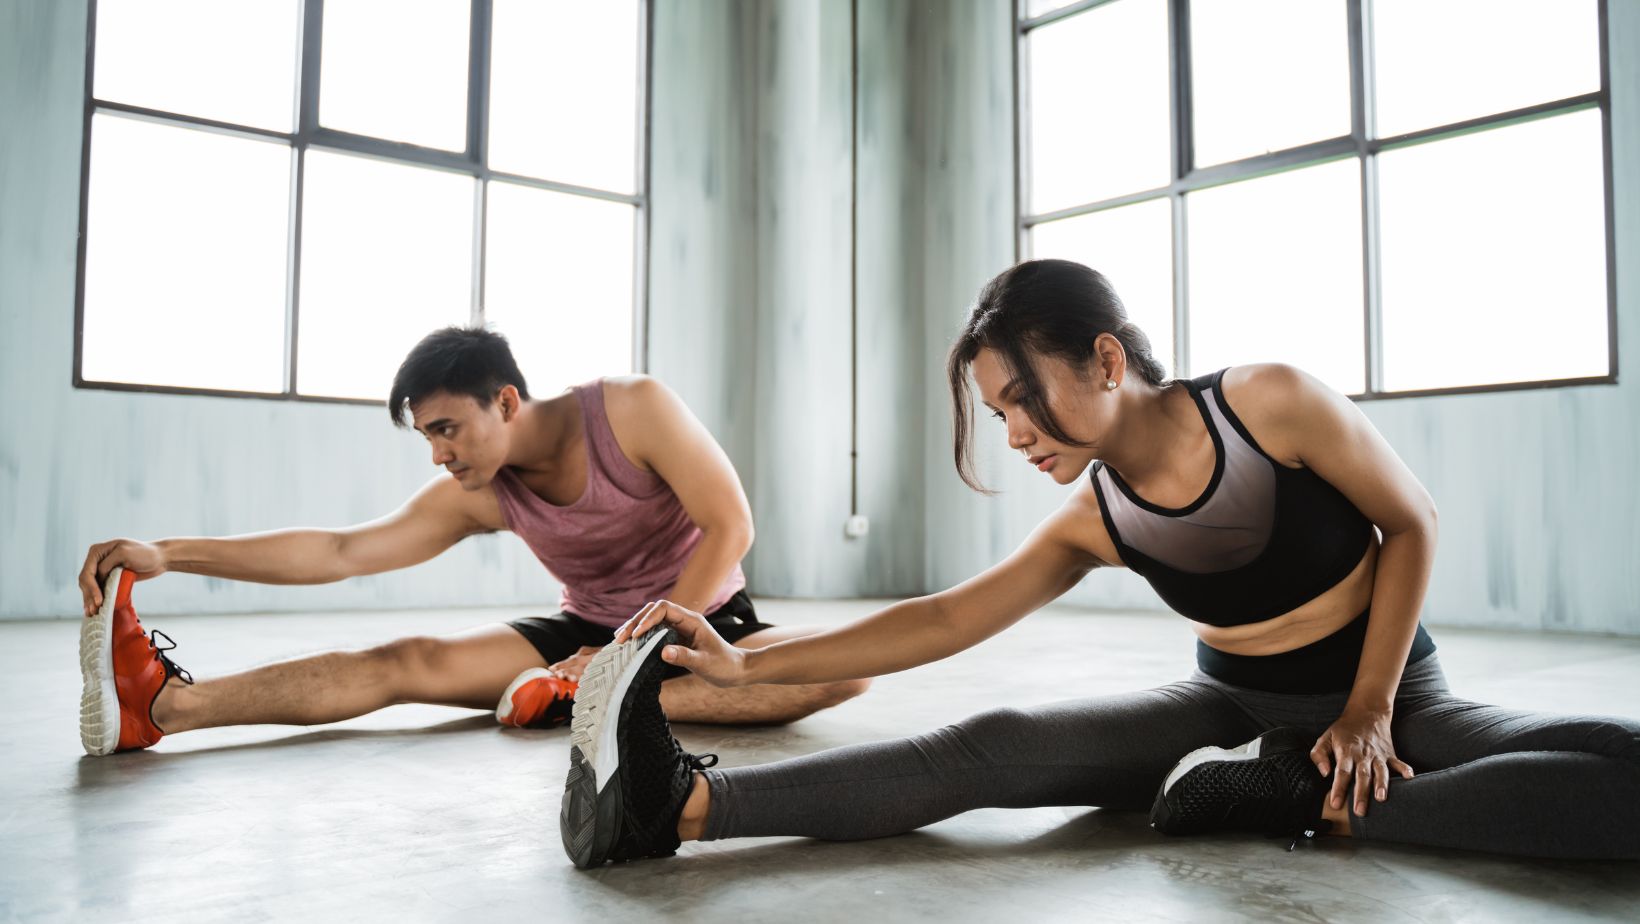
[(621, 493)]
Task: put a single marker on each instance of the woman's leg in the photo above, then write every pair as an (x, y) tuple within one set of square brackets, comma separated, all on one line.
[(1109, 751), (1509, 781)]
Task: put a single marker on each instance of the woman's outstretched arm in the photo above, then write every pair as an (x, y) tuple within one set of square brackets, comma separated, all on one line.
[(900, 636)]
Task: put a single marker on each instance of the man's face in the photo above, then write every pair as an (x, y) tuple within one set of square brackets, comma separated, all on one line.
[(468, 439)]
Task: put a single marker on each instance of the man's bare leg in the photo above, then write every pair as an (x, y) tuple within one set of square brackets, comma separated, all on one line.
[(691, 699), (470, 668)]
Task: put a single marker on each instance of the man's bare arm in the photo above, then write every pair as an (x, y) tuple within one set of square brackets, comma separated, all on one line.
[(435, 518), (667, 437)]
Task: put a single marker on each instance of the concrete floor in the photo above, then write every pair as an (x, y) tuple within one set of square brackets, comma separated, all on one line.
[(427, 813)]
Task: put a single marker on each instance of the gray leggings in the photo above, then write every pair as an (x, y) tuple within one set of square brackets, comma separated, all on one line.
[(1487, 778)]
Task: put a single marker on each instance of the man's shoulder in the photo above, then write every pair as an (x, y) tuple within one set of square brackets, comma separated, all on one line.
[(443, 498), (636, 389), (635, 403)]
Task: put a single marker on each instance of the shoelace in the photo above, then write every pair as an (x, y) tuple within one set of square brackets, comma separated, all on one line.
[(1313, 824), (171, 668), (1306, 834), (698, 763)]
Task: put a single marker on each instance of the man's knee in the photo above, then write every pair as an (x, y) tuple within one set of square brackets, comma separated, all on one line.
[(826, 695), (404, 665)]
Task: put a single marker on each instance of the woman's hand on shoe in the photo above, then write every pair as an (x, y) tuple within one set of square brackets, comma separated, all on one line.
[(700, 650), (1358, 746)]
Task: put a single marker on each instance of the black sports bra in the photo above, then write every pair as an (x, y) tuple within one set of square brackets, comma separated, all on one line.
[(1260, 541)]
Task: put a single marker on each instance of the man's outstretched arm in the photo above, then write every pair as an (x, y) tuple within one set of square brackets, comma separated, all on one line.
[(435, 518)]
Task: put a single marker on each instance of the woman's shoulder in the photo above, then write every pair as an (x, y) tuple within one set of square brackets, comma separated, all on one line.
[(1263, 381), (1275, 402), (1080, 524)]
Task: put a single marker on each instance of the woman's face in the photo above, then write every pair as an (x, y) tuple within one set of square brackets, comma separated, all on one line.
[(1082, 409)]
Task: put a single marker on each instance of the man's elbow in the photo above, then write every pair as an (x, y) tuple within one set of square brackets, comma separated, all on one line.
[(738, 537), (340, 564)]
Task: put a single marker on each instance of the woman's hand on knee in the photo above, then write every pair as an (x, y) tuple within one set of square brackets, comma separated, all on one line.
[(700, 650), (1358, 747)]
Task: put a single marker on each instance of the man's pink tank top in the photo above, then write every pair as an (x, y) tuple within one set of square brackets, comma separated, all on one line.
[(622, 543)]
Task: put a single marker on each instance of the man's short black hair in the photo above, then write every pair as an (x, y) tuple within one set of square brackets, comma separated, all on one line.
[(460, 360)]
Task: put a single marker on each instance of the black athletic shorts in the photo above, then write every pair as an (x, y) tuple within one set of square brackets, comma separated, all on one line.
[(563, 634)]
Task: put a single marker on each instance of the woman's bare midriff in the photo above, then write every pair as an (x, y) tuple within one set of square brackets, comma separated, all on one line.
[(1312, 622)]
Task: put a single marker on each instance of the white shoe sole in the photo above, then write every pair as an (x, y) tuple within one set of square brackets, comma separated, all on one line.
[(504, 708), (99, 697), (598, 700), (591, 816), (1248, 751)]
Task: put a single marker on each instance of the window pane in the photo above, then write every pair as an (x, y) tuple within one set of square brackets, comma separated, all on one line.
[(1099, 104), (1267, 75), (386, 258), (396, 69), (152, 53), (1494, 256), (564, 91), (558, 283), (1275, 274), (185, 258), (1443, 62), (1133, 247)]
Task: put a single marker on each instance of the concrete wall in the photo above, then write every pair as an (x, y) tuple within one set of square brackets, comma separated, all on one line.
[(752, 269)]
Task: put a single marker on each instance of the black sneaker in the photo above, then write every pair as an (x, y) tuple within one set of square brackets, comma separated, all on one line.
[(1268, 785), (628, 778)]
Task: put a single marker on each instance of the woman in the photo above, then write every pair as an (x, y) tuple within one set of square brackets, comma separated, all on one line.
[(1260, 505)]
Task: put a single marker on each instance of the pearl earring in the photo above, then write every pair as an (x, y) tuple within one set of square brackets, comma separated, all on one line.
[(1110, 385)]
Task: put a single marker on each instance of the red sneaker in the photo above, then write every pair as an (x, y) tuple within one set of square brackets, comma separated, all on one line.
[(536, 699), (123, 672)]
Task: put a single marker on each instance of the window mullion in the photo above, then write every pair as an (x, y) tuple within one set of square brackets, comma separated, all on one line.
[(478, 84), (641, 229), (1603, 13), (293, 264), (481, 201), (307, 120), (1361, 130), (87, 111), (478, 140), (1178, 29), (1181, 99), (307, 94)]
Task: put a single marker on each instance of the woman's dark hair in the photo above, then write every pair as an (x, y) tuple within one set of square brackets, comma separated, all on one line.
[(460, 360), (1040, 308)]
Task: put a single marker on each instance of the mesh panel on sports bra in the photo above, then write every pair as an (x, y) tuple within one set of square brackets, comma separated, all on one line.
[(1226, 530)]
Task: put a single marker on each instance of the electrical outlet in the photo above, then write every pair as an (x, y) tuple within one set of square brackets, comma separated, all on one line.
[(857, 526)]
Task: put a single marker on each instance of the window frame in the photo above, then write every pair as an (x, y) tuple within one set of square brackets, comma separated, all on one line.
[(472, 162), (1359, 144)]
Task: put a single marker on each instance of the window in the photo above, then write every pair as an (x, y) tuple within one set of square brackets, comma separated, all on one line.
[(352, 175), (1374, 190)]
